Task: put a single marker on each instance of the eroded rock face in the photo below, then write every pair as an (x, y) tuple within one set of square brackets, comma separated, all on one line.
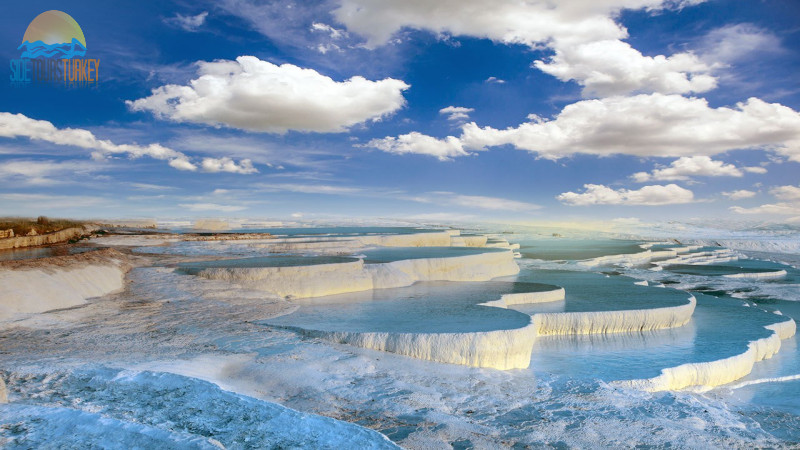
[(34, 239)]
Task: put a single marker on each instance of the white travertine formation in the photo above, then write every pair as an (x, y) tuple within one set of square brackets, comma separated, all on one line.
[(527, 298), (614, 321), (297, 281), (509, 349), (706, 375), (757, 275), (500, 243), (329, 279), (432, 239), (25, 291), (346, 244), (468, 241), (501, 349), (702, 258), (632, 259)]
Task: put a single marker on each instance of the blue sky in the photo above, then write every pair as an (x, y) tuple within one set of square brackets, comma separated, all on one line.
[(449, 110)]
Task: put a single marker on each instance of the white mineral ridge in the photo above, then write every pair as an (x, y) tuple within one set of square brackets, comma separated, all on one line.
[(702, 258), (629, 259), (26, 291), (510, 349), (624, 321), (468, 241), (522, 298), (500, 349), (790, 245), (758, 275), (348, 244), (706, 375), (338, 278)]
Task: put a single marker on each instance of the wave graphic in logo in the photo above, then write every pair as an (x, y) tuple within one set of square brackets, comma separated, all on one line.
[(53, 34), (39, 49)]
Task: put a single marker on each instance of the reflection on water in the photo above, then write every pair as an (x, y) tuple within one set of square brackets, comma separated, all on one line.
[(17, 254)]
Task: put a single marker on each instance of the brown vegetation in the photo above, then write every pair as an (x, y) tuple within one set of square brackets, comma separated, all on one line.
[(41, 225)]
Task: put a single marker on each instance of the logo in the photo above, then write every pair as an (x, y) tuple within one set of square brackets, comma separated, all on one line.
[(51, 52)]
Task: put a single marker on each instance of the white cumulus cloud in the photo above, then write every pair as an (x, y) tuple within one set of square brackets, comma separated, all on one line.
[(690, 166), (420, 144), (225, 164), (789, 206), (456, 113), (649, 125), (474, 201), (731, 43), (613, 67), (739, 194), (47, 172), (256, 95), (334, 33), (211, 207), (587, 42), (598, 194), (19, 125), (782, 208), (642, 125), (791, 193), (188, 23)]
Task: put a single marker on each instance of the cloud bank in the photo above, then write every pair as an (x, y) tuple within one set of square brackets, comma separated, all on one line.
[(642, 125), (656, 195), (19, 125), (255, 95)]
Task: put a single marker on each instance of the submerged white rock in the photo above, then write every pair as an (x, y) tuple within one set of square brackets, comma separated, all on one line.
[(706, 375)]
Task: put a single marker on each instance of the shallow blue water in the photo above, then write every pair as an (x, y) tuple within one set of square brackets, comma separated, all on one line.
[(390, 254), (41, 252), (574, 249), (719, 328), (266, 261), (587, 291), (715, 270), (425, 307)]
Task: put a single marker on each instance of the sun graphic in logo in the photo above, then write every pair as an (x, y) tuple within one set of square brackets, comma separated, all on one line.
[(53, 34)]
